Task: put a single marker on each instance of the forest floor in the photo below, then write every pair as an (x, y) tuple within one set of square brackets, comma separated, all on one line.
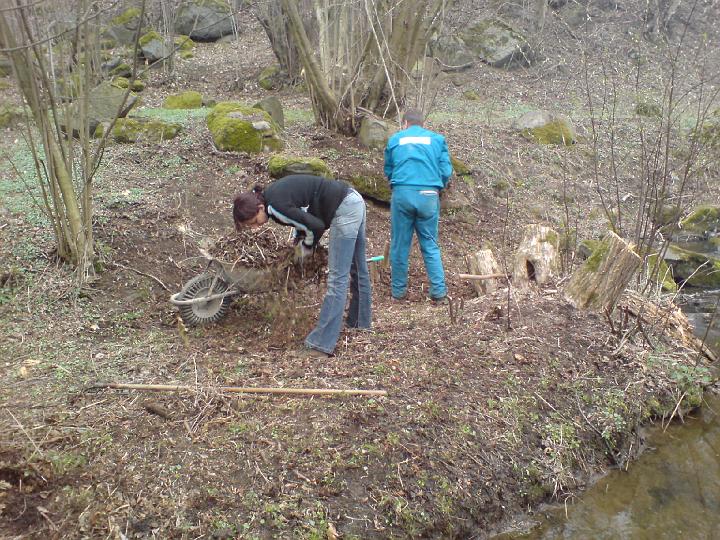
[(505, 402)]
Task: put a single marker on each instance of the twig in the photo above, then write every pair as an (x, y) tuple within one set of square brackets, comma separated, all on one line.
[(142, 274), (22, 428), (242, 390)]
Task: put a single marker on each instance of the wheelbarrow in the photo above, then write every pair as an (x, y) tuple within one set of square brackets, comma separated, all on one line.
[(206, 298)]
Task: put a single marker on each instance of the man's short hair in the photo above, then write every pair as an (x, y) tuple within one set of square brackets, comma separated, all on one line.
[(413, 117)]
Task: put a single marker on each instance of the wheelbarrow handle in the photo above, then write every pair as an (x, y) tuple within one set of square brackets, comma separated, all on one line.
[(377, 258), (174, 299)]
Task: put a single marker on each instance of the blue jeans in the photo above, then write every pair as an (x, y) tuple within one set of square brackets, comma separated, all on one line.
[(346, 263), (414, 209)]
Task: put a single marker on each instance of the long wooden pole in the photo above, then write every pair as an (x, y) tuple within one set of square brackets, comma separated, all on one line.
[(478, 277), (244, 389)]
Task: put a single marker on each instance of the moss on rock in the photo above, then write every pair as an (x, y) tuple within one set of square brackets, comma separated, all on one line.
[(270, 77), (123, 70), (695, 269), (184, 43), (471, 95), (459, 167), (186, 54), (237, 127), (126, 16), (9, 115), (120, 82), (556, 132), (185, 100), (152, 35), (130, 130), (376, 188), (282, 165), (651, 110), (702, 220), (663, 275), (137, 86)]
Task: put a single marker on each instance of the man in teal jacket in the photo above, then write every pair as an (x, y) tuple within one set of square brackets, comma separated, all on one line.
[(417, 164)]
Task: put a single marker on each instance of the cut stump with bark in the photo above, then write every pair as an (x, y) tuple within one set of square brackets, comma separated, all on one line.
[(483, 263), (599, 282), (536, 259)]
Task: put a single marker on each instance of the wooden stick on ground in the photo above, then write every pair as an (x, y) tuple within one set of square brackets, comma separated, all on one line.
[(477, 277), (243, 390)]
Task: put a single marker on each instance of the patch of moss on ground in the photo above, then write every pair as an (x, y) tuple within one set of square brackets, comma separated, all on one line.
[(184, 43), (185, 100), (651, 110)]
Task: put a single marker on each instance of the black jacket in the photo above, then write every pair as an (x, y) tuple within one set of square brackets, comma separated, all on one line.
[(286, 198)]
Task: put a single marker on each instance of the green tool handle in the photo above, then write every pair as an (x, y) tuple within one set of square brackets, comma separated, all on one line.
[(378, 258)]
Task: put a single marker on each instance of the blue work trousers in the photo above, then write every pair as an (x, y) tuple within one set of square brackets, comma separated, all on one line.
[(346, 263), (414, 209)]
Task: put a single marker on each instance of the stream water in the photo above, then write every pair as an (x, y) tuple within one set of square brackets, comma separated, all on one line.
[(673, 490)]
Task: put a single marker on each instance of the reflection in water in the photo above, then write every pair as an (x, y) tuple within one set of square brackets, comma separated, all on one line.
[(671, 492)]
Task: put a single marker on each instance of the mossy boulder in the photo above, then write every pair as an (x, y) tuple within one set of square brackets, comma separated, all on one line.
[(374, 133), (498, 44), (153, 47), (120, 82), (239, 128), (282, 165), (460, 168), (137, 85), (185, 55), (130, 130), (709, 133), (204, 20), (185, 100), (184, 43), (121, 70), (123, 28), (452, 53), (702, 221), (695, 269), (273, 107), (9, 115), (546, 128), (271, 78), (103, 103), (374, 187), (471, 95), (4, 85), (661, 272), (5, 66), (648, 109)]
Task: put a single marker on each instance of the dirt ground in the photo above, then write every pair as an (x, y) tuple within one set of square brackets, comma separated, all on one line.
[(494, 405)]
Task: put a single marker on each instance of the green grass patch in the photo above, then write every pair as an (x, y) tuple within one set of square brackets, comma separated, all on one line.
[(179, 116), (19, 188), (299, 116)]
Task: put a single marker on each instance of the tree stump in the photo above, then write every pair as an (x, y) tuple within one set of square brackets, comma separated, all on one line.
[(536, 259), (599, 282), (483, 262)]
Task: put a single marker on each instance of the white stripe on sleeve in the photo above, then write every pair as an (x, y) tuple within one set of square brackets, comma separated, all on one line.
[(414, 140)]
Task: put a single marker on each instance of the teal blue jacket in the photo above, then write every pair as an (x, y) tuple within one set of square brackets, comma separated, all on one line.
[(417, 157)]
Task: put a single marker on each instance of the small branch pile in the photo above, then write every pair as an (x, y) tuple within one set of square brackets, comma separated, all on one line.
[(264, 249)]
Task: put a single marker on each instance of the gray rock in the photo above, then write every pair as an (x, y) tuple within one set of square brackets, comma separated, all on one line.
[(103, 103), (497, 44), (273, 107), (154, 48), (204, 20), (374, 133), (452, 53), (124, 27)]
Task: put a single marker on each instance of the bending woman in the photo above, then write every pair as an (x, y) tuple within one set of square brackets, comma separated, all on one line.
[(313, 205)]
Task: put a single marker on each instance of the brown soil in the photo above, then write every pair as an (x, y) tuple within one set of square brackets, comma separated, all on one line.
[(494, 404)]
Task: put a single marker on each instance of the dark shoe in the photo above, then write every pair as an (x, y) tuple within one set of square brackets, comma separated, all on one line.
[(441, 301), (313, 353)]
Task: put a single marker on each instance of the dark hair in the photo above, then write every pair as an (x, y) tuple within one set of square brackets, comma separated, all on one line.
[(245, 205), (413, 117)]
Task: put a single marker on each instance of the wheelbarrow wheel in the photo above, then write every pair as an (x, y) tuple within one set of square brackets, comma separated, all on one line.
[(201, 313)]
